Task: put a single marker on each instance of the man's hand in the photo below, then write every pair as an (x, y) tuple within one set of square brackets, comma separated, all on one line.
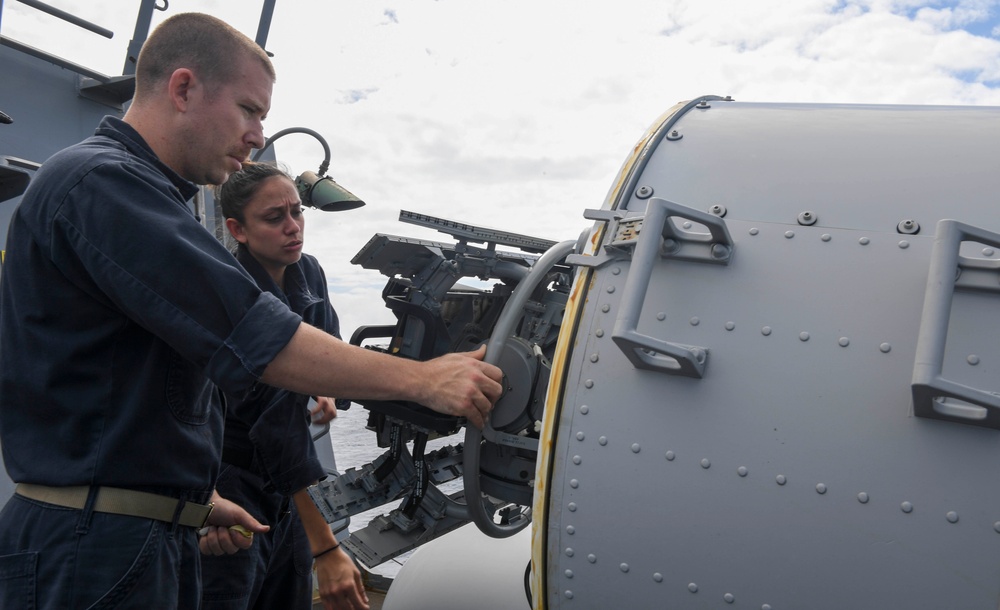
[(340, 584), (324, 411), (462, 384), (220, 537)]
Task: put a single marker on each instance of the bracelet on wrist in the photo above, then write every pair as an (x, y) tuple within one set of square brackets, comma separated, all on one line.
[(321, 553)]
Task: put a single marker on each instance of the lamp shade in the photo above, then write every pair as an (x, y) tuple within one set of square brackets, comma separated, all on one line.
[(324, 193)]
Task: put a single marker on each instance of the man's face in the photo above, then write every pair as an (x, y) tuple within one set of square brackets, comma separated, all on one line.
[(224, 124)]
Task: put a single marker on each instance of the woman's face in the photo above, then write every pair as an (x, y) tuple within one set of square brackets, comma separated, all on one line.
[(273, 226)]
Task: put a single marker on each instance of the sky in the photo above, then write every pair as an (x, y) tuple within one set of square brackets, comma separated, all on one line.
[(518, 115)]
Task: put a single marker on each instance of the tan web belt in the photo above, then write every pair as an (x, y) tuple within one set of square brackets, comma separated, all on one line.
[(118, 501)]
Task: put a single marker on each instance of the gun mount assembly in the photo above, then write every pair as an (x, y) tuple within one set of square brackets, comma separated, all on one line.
[(436, 313)]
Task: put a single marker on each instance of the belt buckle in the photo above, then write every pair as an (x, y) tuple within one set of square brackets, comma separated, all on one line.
[(211, 507)]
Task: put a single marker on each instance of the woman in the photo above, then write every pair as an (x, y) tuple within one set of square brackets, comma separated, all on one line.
[(268, 455)]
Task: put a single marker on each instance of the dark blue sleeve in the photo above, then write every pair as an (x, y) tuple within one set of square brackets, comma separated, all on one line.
[(176, 279), (279, 420), (280, 435)]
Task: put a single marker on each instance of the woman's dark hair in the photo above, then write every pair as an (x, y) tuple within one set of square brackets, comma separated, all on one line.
[(235, 194)]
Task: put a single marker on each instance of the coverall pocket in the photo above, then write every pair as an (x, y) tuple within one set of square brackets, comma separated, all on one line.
[(17, 580), (189, 393), (137, 570)]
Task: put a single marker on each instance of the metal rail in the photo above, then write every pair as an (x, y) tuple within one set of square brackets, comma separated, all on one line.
[(68, 17)]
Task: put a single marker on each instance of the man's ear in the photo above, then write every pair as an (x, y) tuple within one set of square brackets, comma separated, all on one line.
[(179, 88), (236, 230)]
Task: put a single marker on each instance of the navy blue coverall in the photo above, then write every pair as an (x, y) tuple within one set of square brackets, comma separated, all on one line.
[(119, 315), (269, 455)]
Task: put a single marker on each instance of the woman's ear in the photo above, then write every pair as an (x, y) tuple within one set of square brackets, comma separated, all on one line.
[(236, 230)]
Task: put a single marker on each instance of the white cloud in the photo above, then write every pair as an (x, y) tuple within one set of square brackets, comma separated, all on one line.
[(517, 115), (960, 15)]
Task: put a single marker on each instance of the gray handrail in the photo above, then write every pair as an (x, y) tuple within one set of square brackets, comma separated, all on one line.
[(931, 391), (473, 436), (658, 237), (69, 18)]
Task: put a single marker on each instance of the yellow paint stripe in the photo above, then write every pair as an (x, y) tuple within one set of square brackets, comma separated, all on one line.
[(557, 378)]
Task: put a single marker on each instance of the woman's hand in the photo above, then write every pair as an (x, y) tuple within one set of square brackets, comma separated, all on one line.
[(340, 584)]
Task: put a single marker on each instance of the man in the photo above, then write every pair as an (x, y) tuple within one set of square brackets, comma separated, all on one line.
[(119, 316)]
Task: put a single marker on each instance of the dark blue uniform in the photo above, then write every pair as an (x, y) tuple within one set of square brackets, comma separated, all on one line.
[(269, 455), (119, 315)]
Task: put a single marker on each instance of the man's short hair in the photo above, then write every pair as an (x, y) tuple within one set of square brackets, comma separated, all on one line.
[(202, 43)]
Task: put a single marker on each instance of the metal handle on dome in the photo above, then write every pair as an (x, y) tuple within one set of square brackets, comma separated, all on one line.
[(658, 237), (934, 396)]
